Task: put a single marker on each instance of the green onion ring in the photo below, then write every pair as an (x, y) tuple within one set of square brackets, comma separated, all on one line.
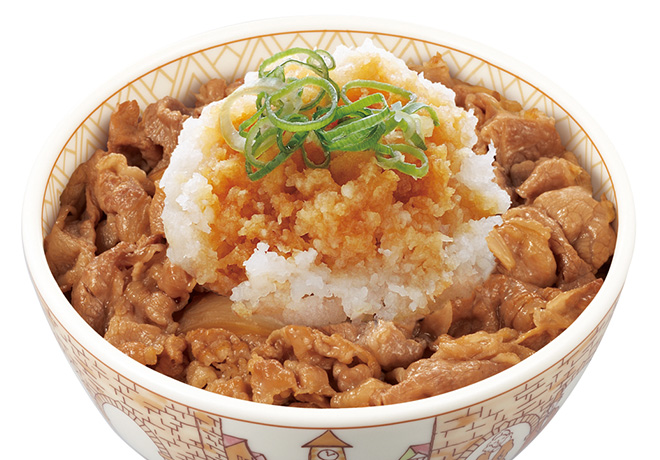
[(379, 86), (309, 125), (320, 68), (389, 156), (327, 58), (229, 133), (346, 135), (361, 105), (309, 163), (244, 127), (296, 141), (414, 107), (259, 139)]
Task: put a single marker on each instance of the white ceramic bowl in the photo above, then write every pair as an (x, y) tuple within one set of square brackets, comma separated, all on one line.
[(164, 418)]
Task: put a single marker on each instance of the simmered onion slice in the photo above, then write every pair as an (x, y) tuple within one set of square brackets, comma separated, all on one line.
[(213, 310)]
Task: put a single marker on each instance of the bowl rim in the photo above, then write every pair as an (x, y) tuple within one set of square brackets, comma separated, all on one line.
[(61, 311)]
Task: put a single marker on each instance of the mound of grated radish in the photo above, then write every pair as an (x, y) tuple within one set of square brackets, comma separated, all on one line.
[(317, 246)]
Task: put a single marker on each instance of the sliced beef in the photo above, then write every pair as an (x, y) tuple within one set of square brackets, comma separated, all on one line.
[(135, 280), (504, 302), (458, 362), (522, 249), (437, 70), (526, 135), (561, 310), (553, 174), (500, 302), (431, 377), (390, 345), (123, 193), (71, 244), (585, 221), (149, 345), (572, 270), (161, 123), (125, 136), (147, 140), (213, 90)]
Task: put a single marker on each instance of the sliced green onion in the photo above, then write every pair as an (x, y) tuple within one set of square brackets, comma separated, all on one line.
[(244, 127), (308, 125), (313, 103), (315, 61), (258, 173), (231, 134), (389, 156), (411, 128), (257, 144), (327, 58), (260, 138), (330, 119), (309, 163), (295, 142), (359, 106), (345, 135), (378, 86), (276, 73), (414, 107)]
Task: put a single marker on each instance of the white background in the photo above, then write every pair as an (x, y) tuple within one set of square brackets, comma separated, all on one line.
[(602, 53)]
